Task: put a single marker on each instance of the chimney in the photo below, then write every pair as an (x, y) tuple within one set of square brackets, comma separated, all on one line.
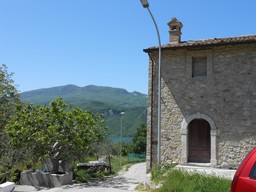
[(175, 30)]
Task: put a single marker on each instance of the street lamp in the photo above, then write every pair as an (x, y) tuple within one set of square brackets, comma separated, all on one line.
[(146, 5), (121, 135)]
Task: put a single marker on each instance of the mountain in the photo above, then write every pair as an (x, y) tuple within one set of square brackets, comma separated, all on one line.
[(98, 99)]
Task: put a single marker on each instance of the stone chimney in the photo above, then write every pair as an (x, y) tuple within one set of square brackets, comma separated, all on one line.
[(175, 30)]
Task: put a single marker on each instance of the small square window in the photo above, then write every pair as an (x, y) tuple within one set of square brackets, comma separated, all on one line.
[(199, 67)]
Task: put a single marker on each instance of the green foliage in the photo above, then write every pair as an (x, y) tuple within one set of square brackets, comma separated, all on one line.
[(126, 148), (14, 175), (141, 187), (81, 176), (8, 95), (55, 131), (174, 180), (106, 100), (140, 140), (158, 172), (116, 162)]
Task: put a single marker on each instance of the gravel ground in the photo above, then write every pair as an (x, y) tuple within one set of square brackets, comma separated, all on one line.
[(125, 181)]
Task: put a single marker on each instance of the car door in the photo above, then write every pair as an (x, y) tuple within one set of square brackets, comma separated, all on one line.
[(247, 179)]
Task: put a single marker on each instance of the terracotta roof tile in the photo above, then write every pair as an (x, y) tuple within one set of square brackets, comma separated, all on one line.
[(208, 42)]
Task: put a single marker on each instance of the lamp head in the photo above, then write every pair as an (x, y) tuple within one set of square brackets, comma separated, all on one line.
[(144, 3)]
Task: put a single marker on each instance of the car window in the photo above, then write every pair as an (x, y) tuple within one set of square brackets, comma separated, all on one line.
[(253, 172)]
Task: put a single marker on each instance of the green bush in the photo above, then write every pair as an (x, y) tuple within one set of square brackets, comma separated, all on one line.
[(2, 175), (11, 175), (14, 175)]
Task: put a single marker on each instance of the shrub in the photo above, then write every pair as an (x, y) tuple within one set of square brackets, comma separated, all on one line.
[(14, 175)]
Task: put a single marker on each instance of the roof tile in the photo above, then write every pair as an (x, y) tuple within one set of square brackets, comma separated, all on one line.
[(208, 42)]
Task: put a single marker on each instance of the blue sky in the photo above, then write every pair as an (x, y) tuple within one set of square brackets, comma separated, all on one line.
[(49, 43)]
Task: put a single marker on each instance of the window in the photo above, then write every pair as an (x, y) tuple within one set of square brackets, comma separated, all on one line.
[(253, 172), (199, 67)]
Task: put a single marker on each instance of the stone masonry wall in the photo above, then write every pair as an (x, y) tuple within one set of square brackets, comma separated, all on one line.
[(227, 95), (151, 153)]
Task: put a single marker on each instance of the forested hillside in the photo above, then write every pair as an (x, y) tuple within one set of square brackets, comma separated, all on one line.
[(98, 99)]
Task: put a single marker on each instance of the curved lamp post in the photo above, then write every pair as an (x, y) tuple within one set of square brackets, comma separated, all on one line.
[(146, 5)]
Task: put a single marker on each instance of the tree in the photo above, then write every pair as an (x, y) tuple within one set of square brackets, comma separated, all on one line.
[(57, 131), (139, 141), (9, 96)]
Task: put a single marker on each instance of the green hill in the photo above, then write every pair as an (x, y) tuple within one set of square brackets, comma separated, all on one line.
[(98, 99)]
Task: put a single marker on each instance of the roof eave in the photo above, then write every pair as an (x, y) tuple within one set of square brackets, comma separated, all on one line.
[(197, 46)]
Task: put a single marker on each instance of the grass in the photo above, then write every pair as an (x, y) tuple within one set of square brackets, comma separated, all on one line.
[(173, 180), (115, 161), (140, 187)]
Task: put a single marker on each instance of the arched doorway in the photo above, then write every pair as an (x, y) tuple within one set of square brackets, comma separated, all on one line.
[(185, 137), (199, 141)]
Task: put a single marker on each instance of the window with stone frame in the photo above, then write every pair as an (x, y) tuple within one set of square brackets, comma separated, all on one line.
[(199, 67)]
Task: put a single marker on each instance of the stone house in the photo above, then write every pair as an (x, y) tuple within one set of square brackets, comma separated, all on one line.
[(208, 100)]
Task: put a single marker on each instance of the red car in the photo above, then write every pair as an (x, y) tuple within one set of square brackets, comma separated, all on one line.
[(245, 177)]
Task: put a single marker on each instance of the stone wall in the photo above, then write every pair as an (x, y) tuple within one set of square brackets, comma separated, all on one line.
[(227, 95), (151, 154)]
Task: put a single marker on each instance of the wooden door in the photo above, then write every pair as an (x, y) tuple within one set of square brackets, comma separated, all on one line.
[(199, 141)]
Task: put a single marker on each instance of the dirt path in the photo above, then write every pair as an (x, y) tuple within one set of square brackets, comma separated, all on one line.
[(126, 181)]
